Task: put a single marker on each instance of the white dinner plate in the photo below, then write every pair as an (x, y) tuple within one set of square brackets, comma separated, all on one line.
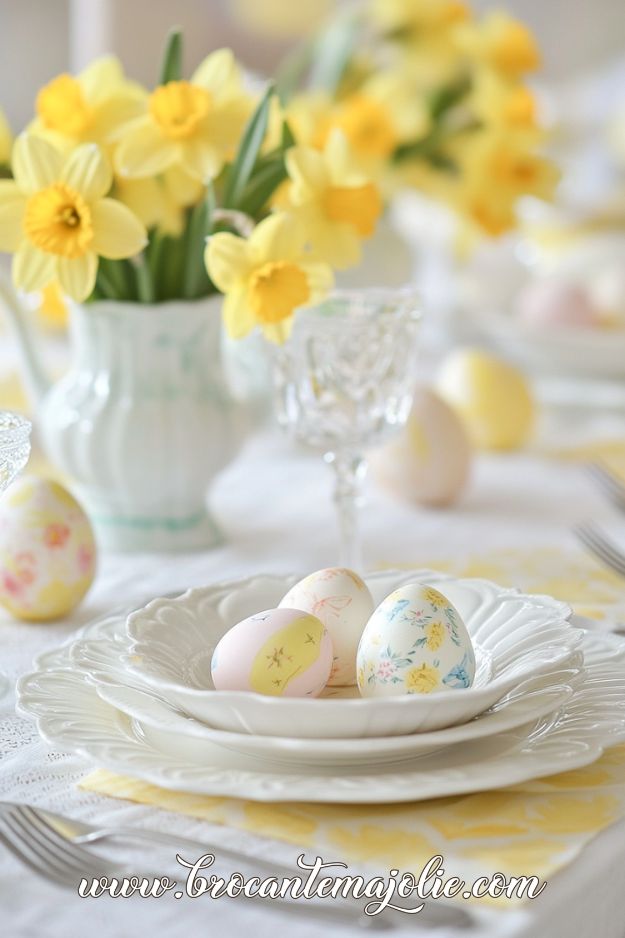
[(72, 716), (565, 351), (97, 654), (516, 636)]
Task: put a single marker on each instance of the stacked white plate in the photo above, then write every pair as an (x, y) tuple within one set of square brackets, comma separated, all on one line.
[(134, 695)]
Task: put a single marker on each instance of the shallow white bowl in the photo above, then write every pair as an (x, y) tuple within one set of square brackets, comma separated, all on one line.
[(515, 636), (97, 655)]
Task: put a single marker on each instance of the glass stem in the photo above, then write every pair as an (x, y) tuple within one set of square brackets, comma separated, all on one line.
[(349, 471)]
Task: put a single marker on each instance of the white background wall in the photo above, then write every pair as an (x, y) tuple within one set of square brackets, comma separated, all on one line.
[(39, 38)]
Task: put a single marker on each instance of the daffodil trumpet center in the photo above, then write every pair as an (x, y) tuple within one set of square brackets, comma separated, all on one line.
[(179, 107), (514, 50), (520, 108), (276, 289), (57, 220), (61, 106), (367, 126), (359, 206)]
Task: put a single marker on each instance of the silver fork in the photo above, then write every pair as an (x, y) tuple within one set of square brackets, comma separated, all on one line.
[(601, 546), (45, 851), (609, 483), (50, 845)]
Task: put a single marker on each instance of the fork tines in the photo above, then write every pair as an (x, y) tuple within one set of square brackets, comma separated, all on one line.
[(611, 486), (601, 546), (39, 846)]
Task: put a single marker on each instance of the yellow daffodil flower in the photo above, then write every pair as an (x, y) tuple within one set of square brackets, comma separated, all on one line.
[(496, 170), (194, 125), (89, 107), (412, 19), (425, 31), (386, 111), (55, 219), (6, 140), (265, 277), (337, 205), (160, 201), (503, 43), (502, 103)]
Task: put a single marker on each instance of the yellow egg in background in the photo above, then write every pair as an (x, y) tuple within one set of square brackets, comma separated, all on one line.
[(47, 550), (492, 397), (429, 461)]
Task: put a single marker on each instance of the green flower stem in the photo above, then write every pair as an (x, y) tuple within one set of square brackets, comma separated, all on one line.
[(145, 285)]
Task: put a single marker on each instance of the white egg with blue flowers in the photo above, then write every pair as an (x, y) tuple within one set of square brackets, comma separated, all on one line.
[(414, 643)]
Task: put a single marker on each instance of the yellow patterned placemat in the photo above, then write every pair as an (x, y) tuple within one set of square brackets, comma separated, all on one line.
[(531, 829)]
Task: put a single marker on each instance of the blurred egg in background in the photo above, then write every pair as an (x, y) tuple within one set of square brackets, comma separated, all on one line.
[(492, 397), (429, 462)]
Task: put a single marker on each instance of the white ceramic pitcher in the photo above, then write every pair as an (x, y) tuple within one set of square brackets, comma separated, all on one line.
[(142, 421)]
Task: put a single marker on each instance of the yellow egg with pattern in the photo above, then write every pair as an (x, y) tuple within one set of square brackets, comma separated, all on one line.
[(278, 652), (47, 550)]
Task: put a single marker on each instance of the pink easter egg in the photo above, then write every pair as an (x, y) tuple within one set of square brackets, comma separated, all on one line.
[(279, 652)]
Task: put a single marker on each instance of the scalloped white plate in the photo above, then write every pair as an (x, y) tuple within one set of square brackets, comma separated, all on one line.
[(515, 636), (71, 716), (97, 654)]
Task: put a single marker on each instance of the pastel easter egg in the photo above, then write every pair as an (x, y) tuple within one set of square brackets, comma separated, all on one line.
[(492, 398), (607, 291), (47, 550), (342, 601), (428, 462), (279, 652), (414, 643), (556, 303)]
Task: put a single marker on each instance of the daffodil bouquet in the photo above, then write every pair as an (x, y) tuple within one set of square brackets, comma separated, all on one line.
[(429, 97), (196, 187)]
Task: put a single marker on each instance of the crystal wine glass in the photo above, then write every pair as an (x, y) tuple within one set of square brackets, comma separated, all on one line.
[(14, 453), (344, 382)]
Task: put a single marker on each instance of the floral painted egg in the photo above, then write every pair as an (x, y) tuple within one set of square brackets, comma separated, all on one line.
[(47, 550), (342, 601), (280, 652), (414, 643)]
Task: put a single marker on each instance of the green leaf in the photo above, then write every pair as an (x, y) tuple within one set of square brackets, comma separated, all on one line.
[(246, 158), (445, 98), (287, 140), (116, 280), (262, 186), (443, 162), (171, 67), (334, 49), (104, 288), (291, 70), (199, 226)]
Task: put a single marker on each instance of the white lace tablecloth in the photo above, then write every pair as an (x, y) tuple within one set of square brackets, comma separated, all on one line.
[(275, 508)]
